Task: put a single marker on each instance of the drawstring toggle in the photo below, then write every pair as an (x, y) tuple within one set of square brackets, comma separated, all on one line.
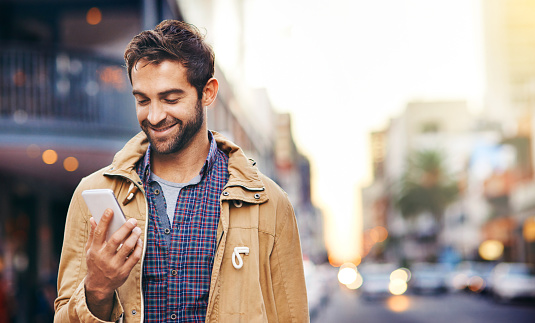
[(236, 255)]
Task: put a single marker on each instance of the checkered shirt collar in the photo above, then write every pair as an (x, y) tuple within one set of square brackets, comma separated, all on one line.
[(210, 160)]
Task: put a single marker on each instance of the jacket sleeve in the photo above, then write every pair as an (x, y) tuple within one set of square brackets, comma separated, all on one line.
[(71, 305), (287, 271)]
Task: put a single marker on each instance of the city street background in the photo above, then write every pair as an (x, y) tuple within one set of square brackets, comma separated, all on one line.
[(402, 131)]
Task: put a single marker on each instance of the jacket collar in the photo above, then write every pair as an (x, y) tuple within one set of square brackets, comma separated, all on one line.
[(244, 181)]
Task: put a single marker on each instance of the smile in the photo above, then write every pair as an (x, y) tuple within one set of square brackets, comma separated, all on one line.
[(162, 129)]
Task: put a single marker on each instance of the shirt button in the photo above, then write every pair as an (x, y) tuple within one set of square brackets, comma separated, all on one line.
[(134, 312), (157, 191), (167, 231), (257, 196), (173, 316), (174, 272), (226, 193)]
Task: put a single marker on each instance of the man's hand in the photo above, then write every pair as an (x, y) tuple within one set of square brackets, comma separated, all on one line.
[(109, 263)]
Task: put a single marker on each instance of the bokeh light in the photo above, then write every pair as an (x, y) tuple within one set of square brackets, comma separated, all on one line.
[(334, 261), (19, 78), (20, 116), (460, 281), (94, 16), (50, 157), (70, 164), (476, 284), (528, 231), (357, 260), (373, 235), (379, 233), (401, 273), (347, 273), (491, 249), (397, 286), (398, 304), (357, 283), (112, 76)]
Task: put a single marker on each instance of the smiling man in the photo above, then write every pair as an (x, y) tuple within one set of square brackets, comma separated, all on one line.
[(208, 237)]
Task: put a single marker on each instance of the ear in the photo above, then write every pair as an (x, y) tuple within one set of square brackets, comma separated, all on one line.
[(210, 92)]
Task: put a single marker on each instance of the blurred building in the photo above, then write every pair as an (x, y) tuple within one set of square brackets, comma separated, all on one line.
[(448, 128), (495, 180), (66, 108), (509, 59), (375, 197), (293, 171), (509, 31)]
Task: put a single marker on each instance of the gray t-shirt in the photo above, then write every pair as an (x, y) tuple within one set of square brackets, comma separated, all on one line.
[(170, 191)]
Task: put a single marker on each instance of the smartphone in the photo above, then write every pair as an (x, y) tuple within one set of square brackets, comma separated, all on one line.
[(98, 200)]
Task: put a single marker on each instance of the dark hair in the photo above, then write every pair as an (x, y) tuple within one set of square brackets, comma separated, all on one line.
[(177, 41)]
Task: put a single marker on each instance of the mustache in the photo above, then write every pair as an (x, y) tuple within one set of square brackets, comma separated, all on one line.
[(162, 124)]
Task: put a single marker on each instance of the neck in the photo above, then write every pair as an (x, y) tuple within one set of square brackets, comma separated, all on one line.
[(184, 165)]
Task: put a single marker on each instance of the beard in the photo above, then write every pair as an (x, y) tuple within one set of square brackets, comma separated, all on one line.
[(178, 140)]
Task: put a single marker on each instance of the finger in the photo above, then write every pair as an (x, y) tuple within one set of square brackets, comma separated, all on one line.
[(121, 234), (91, 233), (99, 236), (129, 244), (134, 256), (93, 223)]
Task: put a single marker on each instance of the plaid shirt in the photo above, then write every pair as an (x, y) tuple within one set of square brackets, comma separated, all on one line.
[(179, 258)]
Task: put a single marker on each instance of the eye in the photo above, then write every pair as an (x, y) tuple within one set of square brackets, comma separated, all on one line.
[(169, 101), (143, 102)]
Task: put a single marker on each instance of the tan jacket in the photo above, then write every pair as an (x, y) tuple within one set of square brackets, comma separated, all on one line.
[(255, 213)]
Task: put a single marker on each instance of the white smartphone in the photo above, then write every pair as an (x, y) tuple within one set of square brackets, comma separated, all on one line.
[(98, 200)]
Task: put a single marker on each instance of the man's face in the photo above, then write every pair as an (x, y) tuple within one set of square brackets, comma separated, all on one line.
[(167, 107)]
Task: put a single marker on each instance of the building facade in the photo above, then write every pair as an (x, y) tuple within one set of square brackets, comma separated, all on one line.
[(65, 109)]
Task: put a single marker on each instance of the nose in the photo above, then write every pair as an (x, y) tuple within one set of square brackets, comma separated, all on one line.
[(156, 113)]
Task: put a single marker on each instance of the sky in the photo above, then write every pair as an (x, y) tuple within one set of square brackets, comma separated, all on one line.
[(343, 68)]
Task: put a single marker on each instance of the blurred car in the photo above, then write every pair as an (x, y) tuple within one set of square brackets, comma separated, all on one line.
[(375, 280), (471, 276), (459, 278), (429, 278), (511, 281), (315, 286), (320, 280), (481, 282)]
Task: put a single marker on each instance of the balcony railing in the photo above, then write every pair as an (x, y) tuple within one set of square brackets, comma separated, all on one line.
[(63, 92)]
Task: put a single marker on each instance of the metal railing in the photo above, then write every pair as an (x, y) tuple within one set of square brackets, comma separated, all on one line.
[(63, 91)]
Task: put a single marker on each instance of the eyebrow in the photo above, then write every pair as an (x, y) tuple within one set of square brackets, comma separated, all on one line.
[(161, 94)]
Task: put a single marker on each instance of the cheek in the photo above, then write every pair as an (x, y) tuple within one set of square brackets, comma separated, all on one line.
[(141, 114)]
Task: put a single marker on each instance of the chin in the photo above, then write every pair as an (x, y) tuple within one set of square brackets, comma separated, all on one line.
[(167, 146)]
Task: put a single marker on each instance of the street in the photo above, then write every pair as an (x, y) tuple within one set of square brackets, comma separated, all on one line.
[(345, 305)]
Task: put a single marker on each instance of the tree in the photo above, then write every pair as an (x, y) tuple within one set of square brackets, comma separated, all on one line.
[(426, 187)]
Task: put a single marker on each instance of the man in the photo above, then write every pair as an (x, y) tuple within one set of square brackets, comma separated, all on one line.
[(209, 238)]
